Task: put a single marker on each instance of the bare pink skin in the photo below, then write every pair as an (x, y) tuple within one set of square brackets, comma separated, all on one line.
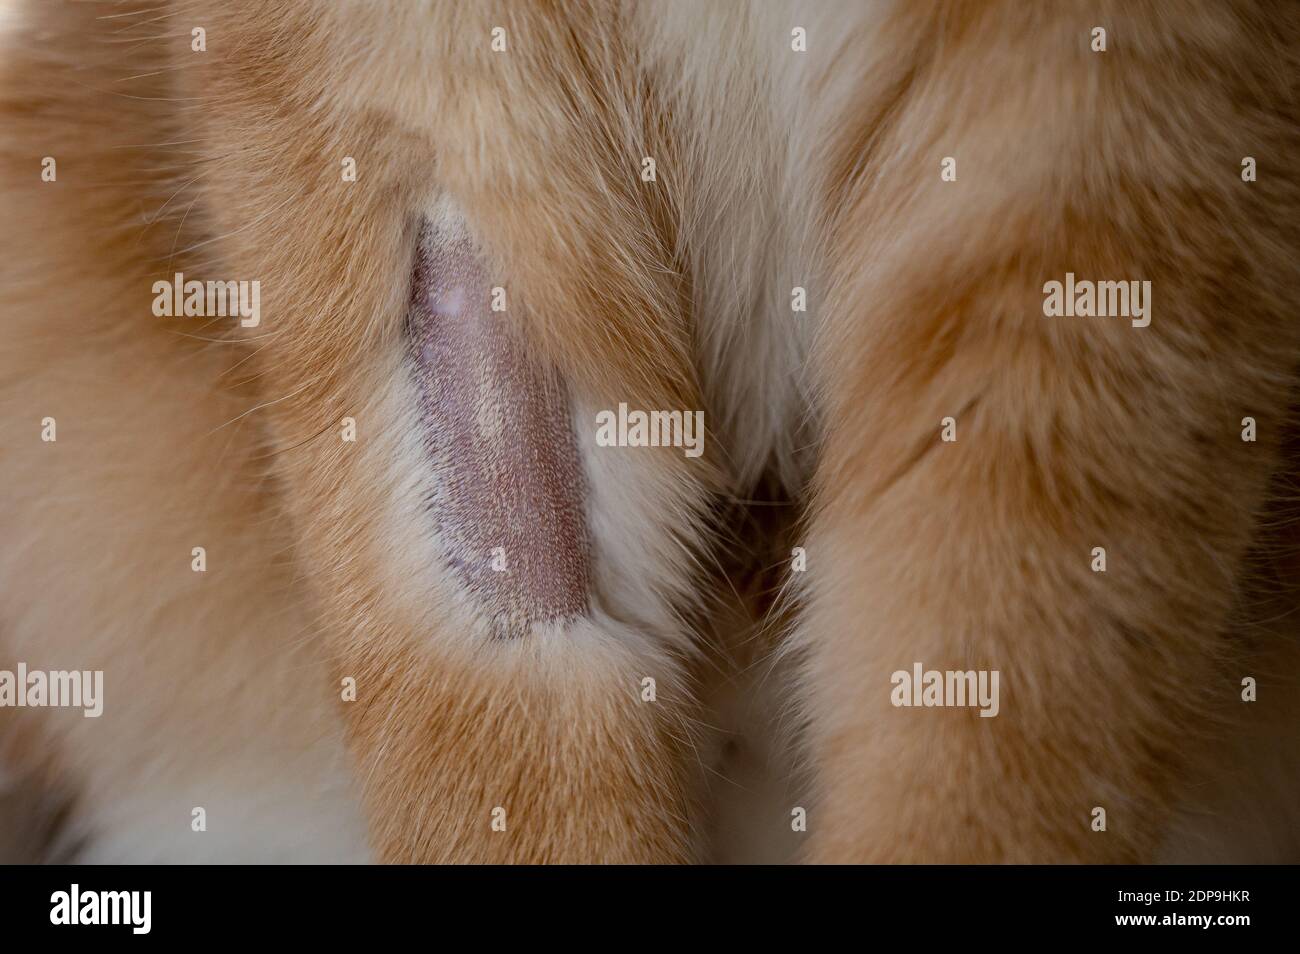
[(506, 472)]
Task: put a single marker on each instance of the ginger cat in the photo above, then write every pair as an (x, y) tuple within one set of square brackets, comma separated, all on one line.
[(364, 536)]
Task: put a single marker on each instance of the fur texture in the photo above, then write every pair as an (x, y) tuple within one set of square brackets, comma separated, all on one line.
[(775, 169)]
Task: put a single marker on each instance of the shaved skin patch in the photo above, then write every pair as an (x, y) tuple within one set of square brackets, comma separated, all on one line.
[(508, 484)]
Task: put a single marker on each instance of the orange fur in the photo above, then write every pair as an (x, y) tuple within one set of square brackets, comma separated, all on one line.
[(773, 171), (1072, 433)]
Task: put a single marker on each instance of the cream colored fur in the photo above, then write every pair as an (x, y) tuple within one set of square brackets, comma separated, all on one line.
[(775, 169)]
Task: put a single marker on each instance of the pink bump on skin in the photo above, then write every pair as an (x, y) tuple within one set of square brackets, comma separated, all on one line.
[(498, 431)]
